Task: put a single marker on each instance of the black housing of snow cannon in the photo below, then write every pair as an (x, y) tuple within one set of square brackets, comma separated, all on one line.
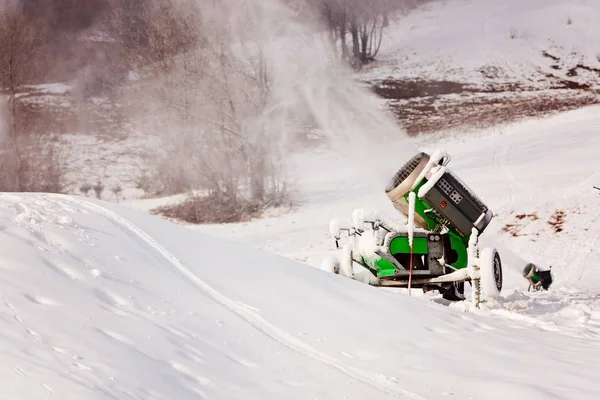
[(456, 203), (446, 194)]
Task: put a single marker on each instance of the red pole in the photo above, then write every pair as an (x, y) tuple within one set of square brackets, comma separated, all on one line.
[(410, 271)]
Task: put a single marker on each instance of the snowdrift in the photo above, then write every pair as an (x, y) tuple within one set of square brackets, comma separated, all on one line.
[(103, 302)]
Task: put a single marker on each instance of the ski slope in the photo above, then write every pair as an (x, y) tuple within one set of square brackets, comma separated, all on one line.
[(100, 301), (537, 167), (490, 42), (104, 302)]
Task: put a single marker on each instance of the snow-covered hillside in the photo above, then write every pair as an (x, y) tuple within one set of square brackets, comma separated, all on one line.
[(103, 302), (480, 49), (529, 173), (541, 165), (490, 42), (478, 63)]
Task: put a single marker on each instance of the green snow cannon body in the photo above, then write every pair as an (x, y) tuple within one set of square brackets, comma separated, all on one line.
[(435, 247)]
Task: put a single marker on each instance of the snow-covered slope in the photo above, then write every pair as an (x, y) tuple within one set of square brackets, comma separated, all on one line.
[(541, 165), (539, 176), (490, 41), (529, 173), (102, 302), (99, 301)]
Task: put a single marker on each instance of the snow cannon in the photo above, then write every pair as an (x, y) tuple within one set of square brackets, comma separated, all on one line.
[(434, 246), (442, 198)]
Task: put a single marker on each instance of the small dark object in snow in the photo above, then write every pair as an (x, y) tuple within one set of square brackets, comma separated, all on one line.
[(538, 278)]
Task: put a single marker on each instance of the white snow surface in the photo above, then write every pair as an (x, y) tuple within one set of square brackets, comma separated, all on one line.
[(528, 173), (539, 166), (99, 301), (490, 41), (104, 302)]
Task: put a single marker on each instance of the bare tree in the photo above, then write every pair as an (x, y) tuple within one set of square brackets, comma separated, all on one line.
[(212, 104), (152, 31), (20, 41), (363, 22), (356, 26), (247, 118)]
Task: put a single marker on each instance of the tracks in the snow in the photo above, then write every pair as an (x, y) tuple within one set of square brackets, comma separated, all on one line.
[(250, 316)]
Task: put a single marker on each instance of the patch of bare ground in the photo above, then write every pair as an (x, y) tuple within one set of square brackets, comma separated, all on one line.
[(209, 210), (430, 106), (514, 229), (519, 227), (557, 220), (572, 71), (220, 209), (61, 113)]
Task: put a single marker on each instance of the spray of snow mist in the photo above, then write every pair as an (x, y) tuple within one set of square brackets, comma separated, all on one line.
[(259, 76)]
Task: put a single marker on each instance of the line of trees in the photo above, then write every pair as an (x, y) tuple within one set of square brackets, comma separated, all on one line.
[(38, 44), (21, 43), (199, 74)]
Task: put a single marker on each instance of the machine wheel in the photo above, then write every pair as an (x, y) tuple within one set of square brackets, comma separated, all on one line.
[(331, 264), (490, 267)]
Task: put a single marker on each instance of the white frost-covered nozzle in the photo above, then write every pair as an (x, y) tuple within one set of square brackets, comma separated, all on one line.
[(358, 219), (411, 218), (368, 244), (472, 248), (335, 226), (438, 159), (441, 155)]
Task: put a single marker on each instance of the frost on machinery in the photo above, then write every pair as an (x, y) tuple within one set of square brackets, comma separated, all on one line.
[(435, 247)]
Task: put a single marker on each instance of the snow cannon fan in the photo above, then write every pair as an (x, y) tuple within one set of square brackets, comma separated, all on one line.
[(435, 247)]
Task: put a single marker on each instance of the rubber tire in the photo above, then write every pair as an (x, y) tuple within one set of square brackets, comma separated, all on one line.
[(331, 264), (490, 268), (454, 292)]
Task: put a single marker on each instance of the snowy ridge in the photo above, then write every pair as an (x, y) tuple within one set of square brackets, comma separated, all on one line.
[(104, 302), (245, 312), (100, 291)]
